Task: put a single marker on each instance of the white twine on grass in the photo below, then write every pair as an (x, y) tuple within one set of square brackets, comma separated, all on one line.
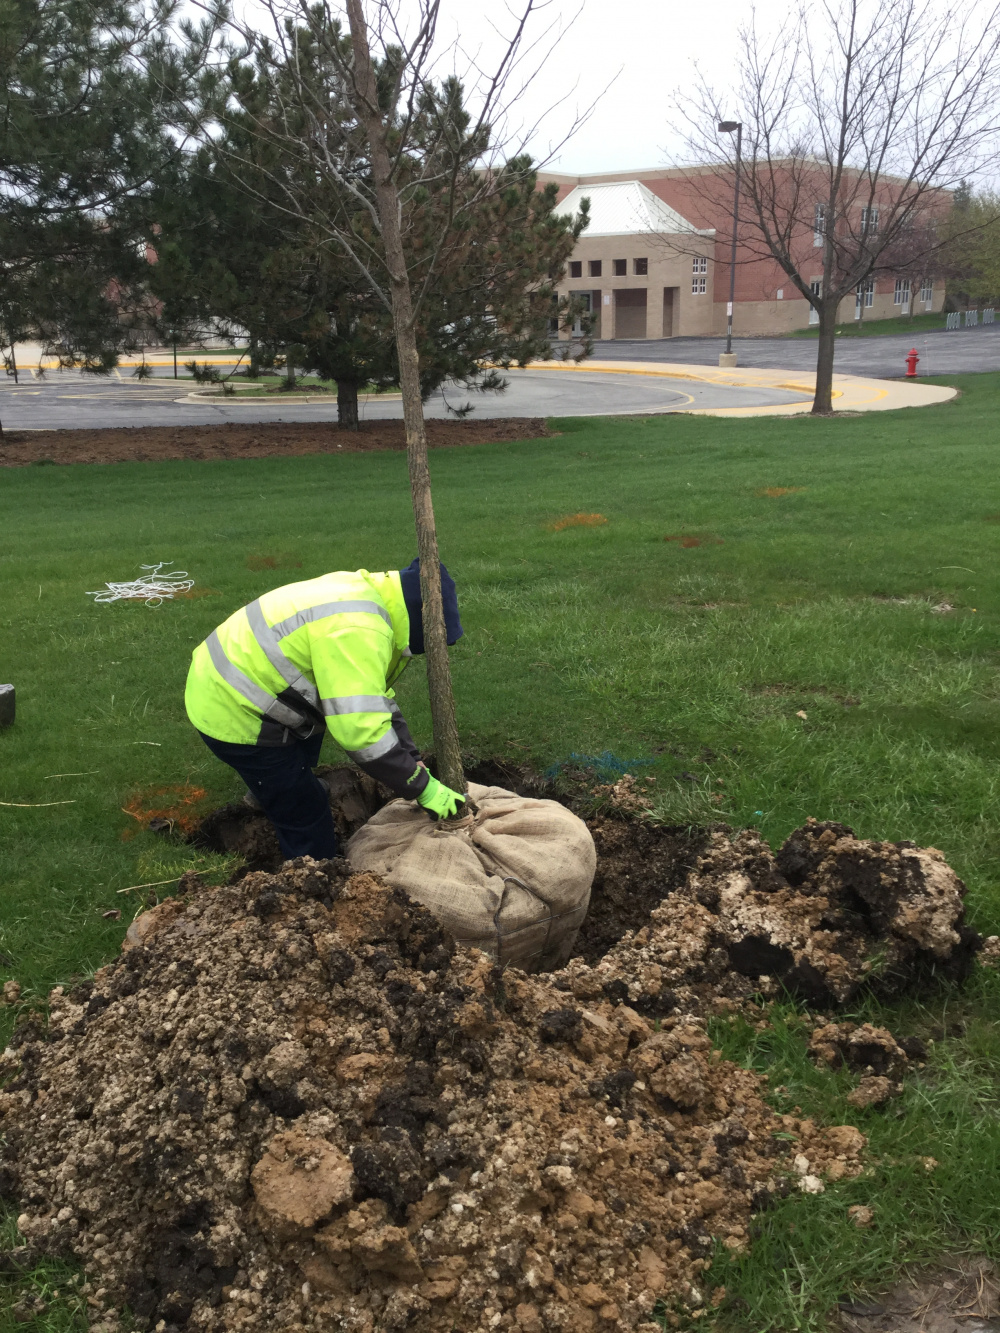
[(153, 588)]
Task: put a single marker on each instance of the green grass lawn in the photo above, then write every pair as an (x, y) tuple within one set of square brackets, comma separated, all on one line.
[(826, 599), (870, 328)]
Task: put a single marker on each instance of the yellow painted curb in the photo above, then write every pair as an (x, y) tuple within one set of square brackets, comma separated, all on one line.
[(853, 393)]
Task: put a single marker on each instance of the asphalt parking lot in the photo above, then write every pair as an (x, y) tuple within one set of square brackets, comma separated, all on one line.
[(69, 399), (941, 352)]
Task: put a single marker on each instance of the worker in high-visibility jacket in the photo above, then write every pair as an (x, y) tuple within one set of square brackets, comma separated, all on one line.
[(264, 686)]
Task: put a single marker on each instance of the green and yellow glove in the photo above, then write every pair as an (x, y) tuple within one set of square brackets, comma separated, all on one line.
[(440, 801)]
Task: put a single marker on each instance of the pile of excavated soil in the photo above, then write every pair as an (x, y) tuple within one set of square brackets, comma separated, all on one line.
[(826, 916), (293, 1106), (148, 444)]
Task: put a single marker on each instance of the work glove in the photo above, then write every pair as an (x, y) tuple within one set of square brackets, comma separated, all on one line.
[(440, 801)]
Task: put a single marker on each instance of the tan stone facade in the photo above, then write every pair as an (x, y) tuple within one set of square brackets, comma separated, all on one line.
[(660, 303)]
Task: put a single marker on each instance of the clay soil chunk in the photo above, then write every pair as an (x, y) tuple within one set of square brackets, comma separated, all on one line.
[(300, 1180)]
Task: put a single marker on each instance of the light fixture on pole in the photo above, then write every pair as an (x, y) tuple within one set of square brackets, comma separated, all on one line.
[(727, 127)]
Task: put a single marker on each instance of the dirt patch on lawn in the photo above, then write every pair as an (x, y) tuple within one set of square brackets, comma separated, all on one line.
[(152, 444), (959, 1295)]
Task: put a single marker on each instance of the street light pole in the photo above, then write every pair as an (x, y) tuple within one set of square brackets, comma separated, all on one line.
[(727, 127)]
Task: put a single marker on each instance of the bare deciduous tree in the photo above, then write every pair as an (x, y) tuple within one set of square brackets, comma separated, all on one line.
[(858, 116), (410, 171)]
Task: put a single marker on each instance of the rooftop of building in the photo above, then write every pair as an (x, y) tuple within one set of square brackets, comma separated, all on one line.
[(627, 208)]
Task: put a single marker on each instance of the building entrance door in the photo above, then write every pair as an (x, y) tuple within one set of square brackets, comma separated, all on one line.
[(584, 305), (630, 312), (671, 311)]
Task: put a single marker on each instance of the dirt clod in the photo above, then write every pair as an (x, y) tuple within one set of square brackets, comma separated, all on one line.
[(864, 1048), (320, 1115), (874, 1090), (11, 992)]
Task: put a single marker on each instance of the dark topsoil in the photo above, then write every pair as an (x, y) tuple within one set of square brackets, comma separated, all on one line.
[(634, 873), (149, 444)]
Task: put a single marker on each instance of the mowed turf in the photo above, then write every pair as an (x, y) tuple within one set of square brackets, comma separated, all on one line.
[(749, 572)]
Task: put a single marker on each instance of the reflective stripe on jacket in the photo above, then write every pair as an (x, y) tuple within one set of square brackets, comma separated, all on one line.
[(322, 651)]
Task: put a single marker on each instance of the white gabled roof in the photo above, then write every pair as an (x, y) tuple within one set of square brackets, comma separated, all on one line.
[(626, 208)]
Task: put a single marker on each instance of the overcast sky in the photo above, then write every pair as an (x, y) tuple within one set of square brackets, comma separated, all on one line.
[(650, 46)]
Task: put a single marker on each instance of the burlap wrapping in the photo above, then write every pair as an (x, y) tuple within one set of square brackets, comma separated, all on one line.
[(515, 882)]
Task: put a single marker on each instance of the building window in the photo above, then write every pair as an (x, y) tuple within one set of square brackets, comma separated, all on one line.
[(640, 267), (927, 294), (595, 268), (576, 268), (869, 222), (818, 224), (699, 286), (781, 293), (816, 287), (699, 264), (864, 293), (621, 267), (901, 296)]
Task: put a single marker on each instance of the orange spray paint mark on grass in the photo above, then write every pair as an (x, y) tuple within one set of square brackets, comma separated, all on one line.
[(283, 560), (578, 521), (688, 539), (176, 803), (775, 491)]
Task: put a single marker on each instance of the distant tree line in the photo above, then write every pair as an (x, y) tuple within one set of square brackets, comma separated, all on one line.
[(151, 191), (971, 259)]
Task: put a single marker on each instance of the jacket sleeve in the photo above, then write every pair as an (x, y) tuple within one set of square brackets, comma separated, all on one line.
[(350, 669)]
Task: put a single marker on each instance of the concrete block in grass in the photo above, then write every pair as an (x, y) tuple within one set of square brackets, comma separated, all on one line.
[(6, 705)]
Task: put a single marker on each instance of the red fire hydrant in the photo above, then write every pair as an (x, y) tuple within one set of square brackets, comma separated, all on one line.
[(911, 364)]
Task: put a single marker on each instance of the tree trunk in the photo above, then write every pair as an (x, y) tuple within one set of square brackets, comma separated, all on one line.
[(254, 359), (823, 402), (289, 370), (442, 698), (13, 362), (347, 404)]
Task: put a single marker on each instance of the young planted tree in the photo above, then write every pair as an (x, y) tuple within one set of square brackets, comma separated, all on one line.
[(858, 117), (445, 229)]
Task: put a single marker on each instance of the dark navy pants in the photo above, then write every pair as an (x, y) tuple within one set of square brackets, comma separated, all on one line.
[(291, 795)]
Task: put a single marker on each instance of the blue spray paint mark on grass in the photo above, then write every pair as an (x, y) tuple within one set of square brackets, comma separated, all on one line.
[(605, 764)]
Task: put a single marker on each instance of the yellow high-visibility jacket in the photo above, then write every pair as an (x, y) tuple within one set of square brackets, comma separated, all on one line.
[(322, 652)]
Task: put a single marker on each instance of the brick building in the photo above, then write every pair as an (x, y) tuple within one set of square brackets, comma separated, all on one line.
[(654, 263)]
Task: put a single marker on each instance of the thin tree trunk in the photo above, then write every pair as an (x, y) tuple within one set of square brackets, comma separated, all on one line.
[(254, 359), (347, 404), (442, 698), (289, 370), (13, 362), (823, 402)]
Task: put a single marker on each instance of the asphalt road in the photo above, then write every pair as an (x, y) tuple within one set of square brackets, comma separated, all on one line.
[(941, 352), (68, 399)]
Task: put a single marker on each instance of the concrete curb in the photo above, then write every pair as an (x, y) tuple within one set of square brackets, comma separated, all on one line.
[(851, 393)]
